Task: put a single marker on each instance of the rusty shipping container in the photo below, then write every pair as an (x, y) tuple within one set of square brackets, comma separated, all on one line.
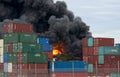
[(85, 42), (69, 74), (17, 28), (85, 51)]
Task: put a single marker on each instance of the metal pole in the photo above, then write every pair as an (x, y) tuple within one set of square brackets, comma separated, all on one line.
[(96, 70), (53, 67), (118, 68), (73, 68)]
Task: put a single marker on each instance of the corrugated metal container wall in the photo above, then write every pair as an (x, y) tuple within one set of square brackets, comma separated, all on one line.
[(37, 58), (85, 51), (1, 67), (8, 48), (43, 40), (1, 47), (5, 57), (70, 66), (20, 37), (100, 42), (47, 47), (85, 42), (68, 74), (1, 59), (17, 28), (90, 68), (22, 47), (100, 59)]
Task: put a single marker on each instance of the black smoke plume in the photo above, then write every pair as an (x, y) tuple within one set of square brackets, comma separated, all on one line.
[(50, 19)]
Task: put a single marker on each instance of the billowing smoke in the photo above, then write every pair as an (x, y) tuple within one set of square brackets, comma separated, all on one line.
[(52, 20)]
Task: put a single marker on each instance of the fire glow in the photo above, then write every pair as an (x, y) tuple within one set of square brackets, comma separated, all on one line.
[(58, 49)]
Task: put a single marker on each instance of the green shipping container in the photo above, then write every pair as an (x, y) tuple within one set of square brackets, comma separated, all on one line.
[(90, 68), (101, 59), (37, 58), (14, 60), (20, 37), (10, 58), (24, 47), (1, 74), (101, 50), (5, 48), (114, 75), (90, 42), (112, 50), (29, 47), (24, 57)]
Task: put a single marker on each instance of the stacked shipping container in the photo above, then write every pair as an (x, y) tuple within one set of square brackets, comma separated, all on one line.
[(23, 57), (68, 69), (102, 57)]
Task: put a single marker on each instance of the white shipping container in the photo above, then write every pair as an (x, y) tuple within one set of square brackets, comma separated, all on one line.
[(1, 51), (1, 59), (9, 67), (1, 42)]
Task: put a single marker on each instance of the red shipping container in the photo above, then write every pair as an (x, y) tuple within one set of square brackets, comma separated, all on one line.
[(107, 68), (10, 48), (100, 68), (41, 68), (85, 42), (50, 55), (12, 75), (114, 67), (113, 59), (19, 57), (107, 59), (85, 51), (14, 68), (85, 58), (90, 59), (1, 67), (17, 28), (68, 74), (103, 41), (80, 74), (95, 59)]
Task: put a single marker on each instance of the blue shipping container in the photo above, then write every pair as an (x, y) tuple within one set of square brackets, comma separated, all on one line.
[(47, 47), (5, 67), (43, 40), (117, 44), (69, 66), (5, 57)]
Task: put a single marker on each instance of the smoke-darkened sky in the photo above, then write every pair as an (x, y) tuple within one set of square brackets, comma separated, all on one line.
[(103, 16)]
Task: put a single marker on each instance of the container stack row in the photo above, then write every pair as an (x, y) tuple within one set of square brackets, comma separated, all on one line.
[(23, 54), (68, 69), (102, 56)]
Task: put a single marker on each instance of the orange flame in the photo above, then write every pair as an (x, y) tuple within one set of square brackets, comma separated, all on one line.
[(58, 49)]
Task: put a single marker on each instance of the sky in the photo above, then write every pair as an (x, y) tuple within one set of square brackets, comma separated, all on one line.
[(103, 16)]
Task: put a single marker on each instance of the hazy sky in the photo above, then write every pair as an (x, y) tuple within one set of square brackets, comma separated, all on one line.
[(103, 16)]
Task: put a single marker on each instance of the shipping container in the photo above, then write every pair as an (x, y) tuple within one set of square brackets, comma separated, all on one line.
[(85, 51), (1, 67), (92, 51), (1, 51), (100, 59), (68, 66), (1, 42), (90, 68), (69, 74), (17, 28), (85, 42), (100, 42), (10, 58), (5, 57), (114, 75), (20, 37), (8, 48), (117, 44), (23, 47), (1, 59), (37, 58), (1, 74), (43, 40), (5, 67), (47, 47), (90, 59)]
